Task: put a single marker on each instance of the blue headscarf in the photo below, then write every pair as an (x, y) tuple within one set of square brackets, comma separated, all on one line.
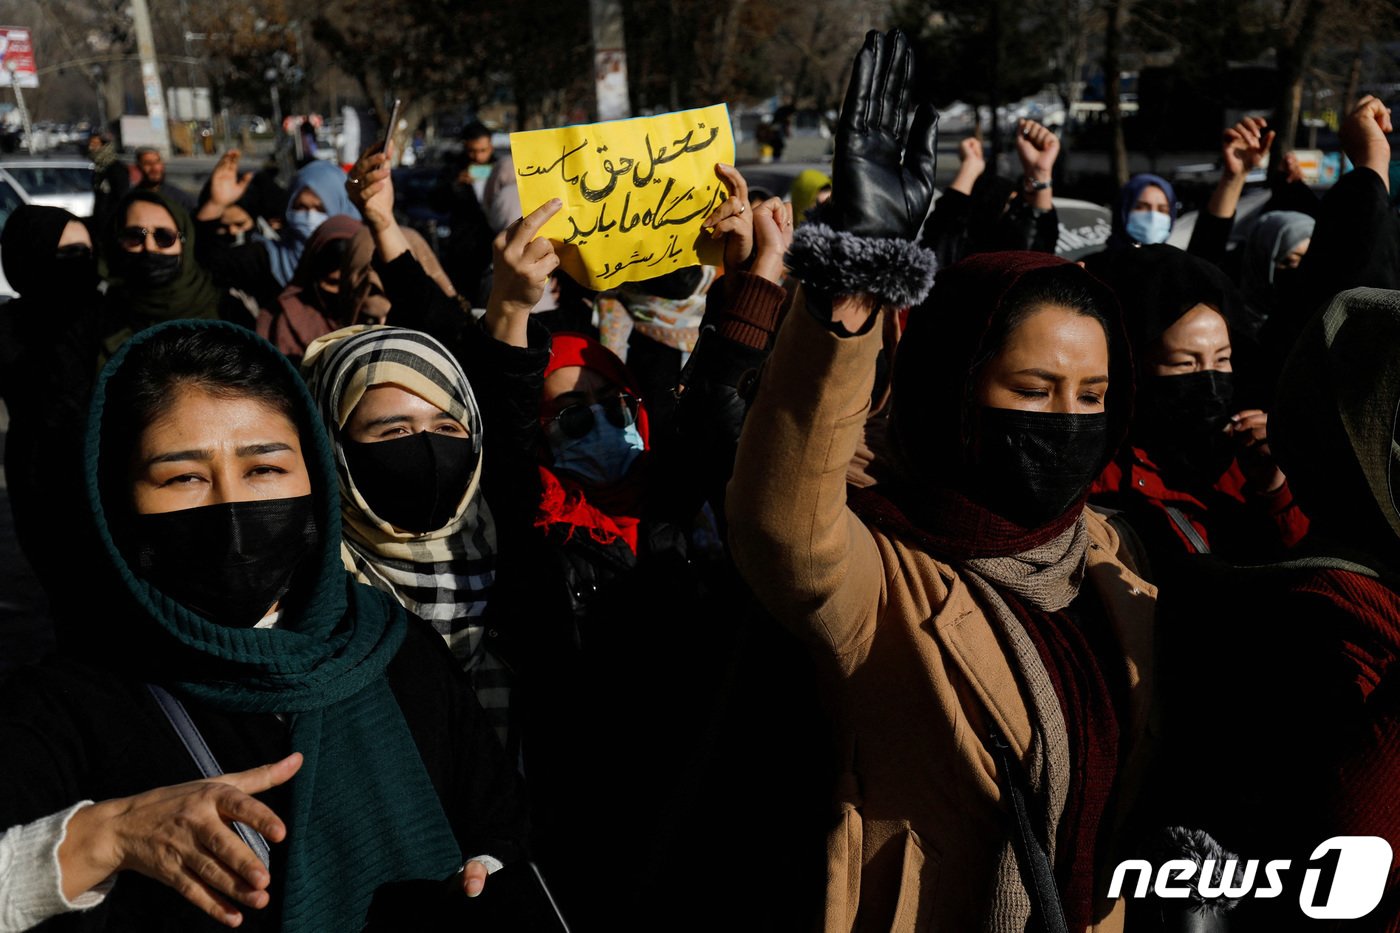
[(1128, 197), (327, 182)]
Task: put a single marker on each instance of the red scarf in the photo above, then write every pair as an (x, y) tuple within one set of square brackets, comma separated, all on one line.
[(951, 526), (610, 513)]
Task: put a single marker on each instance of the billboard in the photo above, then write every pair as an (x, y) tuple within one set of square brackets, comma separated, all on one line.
[(17, 58)]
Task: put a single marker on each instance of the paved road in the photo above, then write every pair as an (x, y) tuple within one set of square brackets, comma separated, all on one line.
[(24, 631)]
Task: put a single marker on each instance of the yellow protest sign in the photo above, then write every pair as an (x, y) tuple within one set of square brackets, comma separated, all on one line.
[(635, 192)]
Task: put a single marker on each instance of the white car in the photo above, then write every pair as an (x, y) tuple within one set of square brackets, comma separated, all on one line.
[(65, 183)]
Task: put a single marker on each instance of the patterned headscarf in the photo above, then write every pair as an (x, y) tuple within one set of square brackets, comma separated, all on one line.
[(443, 576)]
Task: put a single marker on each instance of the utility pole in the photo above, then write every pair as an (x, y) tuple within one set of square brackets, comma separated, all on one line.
[(610, 60), (150, 76)]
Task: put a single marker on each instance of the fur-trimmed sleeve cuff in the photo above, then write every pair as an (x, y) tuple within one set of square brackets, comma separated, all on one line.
[(897, 272)]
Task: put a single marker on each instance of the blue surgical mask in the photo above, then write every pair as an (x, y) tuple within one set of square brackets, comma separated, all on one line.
[(306, 222), (1149, 227), (602, 456)]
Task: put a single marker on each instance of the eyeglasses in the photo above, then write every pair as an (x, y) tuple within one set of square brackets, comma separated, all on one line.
[(133, 238), (577, 420)]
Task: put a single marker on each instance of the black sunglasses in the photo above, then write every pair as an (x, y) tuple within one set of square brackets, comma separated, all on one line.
[(135, 237), (577, 420)]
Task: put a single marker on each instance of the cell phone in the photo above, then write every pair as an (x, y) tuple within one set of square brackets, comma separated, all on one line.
[(514, 899), (393, 122)]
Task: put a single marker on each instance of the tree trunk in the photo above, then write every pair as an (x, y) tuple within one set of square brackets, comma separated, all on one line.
[(1353, 80), (1113, 87), (1295, 49)]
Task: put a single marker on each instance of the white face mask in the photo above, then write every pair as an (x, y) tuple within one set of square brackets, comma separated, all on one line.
[(305, 222)]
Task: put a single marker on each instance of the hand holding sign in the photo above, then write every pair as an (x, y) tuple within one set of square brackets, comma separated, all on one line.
[(732, 221), (635, 193), (524, 261)]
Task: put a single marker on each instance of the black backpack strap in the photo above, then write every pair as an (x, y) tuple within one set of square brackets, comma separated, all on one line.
[(1036, 870), (204, 759)]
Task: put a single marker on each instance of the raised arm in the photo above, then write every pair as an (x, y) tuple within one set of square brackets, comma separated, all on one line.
[(806, 555), (1243, 148)]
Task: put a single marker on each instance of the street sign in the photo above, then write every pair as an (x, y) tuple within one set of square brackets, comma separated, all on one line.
[(17, 58)]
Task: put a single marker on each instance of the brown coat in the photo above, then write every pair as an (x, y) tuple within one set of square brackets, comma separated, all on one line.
[(913, 662)]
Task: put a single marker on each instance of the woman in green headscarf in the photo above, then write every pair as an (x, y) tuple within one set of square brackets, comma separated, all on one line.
[(149, 260), (213, 490)]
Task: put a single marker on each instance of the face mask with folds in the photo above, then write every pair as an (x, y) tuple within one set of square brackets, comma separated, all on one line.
[(1149, 227), (1181, 423), (414, 483), (228, 562), (604, 454), (305, 222), (152, 270), (74, 272), (1031, 466)]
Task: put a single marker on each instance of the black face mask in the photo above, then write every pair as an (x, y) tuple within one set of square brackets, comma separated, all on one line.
[(1031, 466), (152, 270), (1182, 424), (74, 271), (414, 483), (228, 562)]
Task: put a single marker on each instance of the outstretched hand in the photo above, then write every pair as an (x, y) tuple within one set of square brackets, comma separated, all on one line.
[(181, 836), (226, 186), (886, 148), (1245, 146)]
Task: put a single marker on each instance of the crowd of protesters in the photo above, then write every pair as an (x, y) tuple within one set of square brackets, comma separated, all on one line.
[(895, 575)]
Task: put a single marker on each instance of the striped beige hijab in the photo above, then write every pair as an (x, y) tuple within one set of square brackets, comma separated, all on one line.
[(443, 576)]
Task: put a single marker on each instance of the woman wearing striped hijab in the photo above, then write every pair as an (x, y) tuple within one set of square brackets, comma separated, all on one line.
[(407, 435)]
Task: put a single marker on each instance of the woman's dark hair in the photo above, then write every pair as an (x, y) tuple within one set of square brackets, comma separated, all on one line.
[(1064, 287), (218, 361), (329, 258)]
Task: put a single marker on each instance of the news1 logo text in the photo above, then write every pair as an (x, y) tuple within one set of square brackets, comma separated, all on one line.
[(1344, 879)]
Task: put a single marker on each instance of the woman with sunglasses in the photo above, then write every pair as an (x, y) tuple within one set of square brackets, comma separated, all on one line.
[(153, 271), (594, 500)]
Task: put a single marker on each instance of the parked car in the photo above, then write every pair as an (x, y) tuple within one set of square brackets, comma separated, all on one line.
[(65, 183)]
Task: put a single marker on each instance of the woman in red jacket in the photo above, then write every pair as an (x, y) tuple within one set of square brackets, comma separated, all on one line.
[(1197, 474)]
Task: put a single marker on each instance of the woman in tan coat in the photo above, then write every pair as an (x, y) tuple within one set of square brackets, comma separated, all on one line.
[(986, 648)]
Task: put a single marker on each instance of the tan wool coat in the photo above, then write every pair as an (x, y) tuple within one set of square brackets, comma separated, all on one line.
[(915, 666)]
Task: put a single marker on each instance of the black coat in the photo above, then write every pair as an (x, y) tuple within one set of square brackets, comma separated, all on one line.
[(628, 661), (72, 730)]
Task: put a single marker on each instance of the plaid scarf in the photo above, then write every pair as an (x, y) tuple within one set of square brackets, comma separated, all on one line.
[(443, 576)]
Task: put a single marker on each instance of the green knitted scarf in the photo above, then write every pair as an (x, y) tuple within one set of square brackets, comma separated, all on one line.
[(363, 810)]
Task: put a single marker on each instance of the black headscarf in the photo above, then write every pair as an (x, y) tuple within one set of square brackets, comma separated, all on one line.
[(28, 246), (1333, 427), (1157, 285), (1180, 419), (933, 408)]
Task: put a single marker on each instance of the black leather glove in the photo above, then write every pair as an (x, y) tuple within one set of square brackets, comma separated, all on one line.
[(882, 178)]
